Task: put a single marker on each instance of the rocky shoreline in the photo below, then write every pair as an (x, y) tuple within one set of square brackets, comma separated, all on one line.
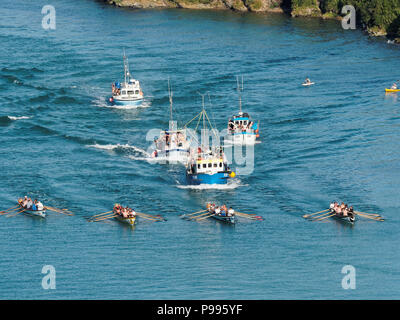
[(326, 9)]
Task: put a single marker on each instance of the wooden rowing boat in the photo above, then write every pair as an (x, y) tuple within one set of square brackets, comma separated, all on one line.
[(348, 219), (36, 213), (131, 220), (230, 220)]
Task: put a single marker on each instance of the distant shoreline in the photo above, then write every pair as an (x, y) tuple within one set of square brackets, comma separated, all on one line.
[(295, 8)]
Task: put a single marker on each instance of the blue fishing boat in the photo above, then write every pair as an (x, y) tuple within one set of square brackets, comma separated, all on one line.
[(208, 167), (127, 93), (208, 164), (241, 128)]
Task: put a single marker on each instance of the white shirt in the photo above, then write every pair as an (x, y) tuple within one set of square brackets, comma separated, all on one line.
[(331, 206), (39, 205), (29, 204)]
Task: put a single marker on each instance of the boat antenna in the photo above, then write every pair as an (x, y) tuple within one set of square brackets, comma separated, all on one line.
[(170, 100), (239, 90)]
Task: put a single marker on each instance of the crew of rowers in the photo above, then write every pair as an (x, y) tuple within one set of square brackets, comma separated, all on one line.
[(124, 212), (27, 203), (342, 210), (222, 211)]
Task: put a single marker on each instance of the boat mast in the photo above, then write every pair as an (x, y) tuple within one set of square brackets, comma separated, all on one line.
[(239, 93), (170, 100), (126, 67)]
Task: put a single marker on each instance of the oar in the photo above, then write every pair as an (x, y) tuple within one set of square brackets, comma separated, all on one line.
[(100, 214), (147, 218), (198, 216), (9, 208), (10, 211), (371, 214), (372, 218), (66, 213), (311, 214), (319, 216), (324, 217), (58, 209), (247, 216), (14, 214), (189, 214), (105, 218), (158, 217), (202, 218)]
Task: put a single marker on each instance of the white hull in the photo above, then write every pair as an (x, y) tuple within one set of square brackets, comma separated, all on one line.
[(179, 155), (242, 139), (37, 213)]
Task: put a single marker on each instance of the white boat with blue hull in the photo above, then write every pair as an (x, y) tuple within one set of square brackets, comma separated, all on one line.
[(241, 128), (127, 93), (208, 165)]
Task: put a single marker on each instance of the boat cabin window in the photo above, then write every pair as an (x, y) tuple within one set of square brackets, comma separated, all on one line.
[(137, 92), (204, 165), (220, 164), (215, 165), (130, 92), (123, 92), (198, 166), (210, 165)]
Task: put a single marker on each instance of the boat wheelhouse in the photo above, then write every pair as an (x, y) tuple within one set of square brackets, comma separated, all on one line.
[(208, 167), (129, 92)]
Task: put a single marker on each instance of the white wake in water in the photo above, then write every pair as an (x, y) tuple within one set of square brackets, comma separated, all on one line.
[(119, 146), (229, 186), (18, 118)]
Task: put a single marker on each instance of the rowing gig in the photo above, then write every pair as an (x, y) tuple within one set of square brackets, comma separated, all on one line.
[(349, 219), (37, 213), (130, 220)]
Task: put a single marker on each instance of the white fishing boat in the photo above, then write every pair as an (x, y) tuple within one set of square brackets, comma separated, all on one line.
[(173, 144), (242, 129), (128, 92)]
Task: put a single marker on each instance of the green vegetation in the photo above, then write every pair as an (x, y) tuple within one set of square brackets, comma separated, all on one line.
[(379, 16)]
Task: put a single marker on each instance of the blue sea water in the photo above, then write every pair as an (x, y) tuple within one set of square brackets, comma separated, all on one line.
[(60, 142)]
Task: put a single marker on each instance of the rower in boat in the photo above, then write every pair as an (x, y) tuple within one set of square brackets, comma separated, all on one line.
[(35, 207), (342, 212), (129, 92), (394, 86), (241, 128), (125, 214)]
